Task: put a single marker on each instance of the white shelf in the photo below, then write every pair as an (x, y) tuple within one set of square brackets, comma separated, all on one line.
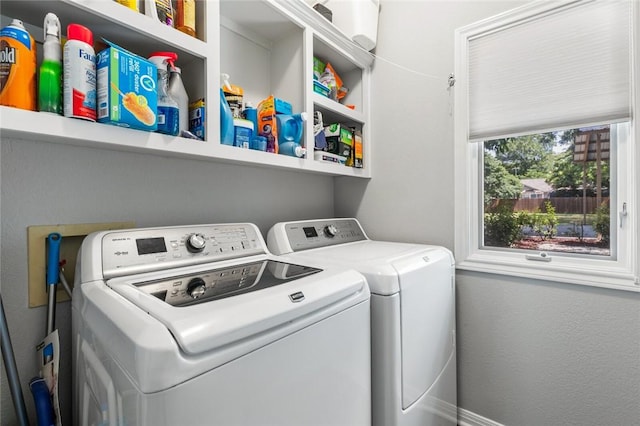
[(112, 21), (334, 111), (21, 124)]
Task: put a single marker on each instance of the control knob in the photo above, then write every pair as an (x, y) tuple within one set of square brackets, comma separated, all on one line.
[(196, 243), (196, 288), (330, 231)]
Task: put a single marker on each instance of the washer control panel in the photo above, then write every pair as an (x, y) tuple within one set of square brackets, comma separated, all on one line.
[(321, 233), (142, 250)]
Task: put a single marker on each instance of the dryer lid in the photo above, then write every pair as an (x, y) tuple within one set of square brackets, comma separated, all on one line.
[(374, 259), (230, 308)]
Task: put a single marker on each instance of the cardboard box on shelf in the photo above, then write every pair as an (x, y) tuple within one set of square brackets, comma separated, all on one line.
[(127, 93), (339, 139)]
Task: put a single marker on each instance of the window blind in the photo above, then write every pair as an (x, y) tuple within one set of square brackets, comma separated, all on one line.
[(565, 68)]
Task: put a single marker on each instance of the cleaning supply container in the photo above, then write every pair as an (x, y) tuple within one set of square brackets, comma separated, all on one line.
[(168, 109), (234, 95), (17, 67), (186, 17), (160, 10), (290, 130), (179, 94), (226, 121), (50, 84), (243, 132), (127, 89), (79, 74)]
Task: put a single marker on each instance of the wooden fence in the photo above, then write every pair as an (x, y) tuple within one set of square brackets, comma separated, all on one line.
[(562, 205)]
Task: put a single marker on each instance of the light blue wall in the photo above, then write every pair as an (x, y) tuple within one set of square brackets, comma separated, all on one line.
[(529, 353)]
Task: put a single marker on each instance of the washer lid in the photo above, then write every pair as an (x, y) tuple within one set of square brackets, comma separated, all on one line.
[(232, 309)]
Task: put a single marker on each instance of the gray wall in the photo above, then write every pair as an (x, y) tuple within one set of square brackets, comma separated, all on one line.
[(529, 353), (44, 184)]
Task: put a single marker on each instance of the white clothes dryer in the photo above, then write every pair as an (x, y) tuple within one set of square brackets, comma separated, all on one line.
[(201, 325), (412, 314)]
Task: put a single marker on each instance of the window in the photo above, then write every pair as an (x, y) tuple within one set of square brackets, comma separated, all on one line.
[(550, 192), (547, 144)]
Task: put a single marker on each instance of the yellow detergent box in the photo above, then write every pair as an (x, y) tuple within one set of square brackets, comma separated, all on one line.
[(127, 93)]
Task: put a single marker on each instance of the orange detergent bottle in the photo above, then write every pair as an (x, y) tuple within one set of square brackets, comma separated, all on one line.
[(17, 67)]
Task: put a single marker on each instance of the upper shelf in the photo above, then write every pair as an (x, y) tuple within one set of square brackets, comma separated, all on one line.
[(107, 19)]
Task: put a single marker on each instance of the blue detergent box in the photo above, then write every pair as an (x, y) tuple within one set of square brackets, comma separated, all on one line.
[(127, 92)]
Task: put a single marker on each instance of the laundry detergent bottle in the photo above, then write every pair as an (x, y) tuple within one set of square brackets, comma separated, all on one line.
[(227, 131), (168, 109), (290, 130), (50, 84), (17, 67)]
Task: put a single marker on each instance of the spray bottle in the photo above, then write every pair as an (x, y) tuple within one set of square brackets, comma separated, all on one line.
[(50, 85), (179, 94), (168, 109), (234, 95)]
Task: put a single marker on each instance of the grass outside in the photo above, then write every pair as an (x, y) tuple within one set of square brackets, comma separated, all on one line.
[(575, 218)]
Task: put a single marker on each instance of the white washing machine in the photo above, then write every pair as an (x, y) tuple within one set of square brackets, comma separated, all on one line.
[(412, 315), (201, 325)]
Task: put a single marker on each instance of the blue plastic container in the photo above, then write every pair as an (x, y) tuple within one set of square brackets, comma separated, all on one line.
[(226, 121)]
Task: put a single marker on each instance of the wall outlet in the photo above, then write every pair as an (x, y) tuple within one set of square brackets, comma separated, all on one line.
[(72, 237)]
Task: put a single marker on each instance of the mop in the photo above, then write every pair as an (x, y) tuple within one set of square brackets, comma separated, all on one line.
[(12, 371), (44, 388)]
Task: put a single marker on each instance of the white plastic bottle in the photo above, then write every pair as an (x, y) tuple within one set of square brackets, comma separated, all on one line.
[(79, 74), (179, 94)]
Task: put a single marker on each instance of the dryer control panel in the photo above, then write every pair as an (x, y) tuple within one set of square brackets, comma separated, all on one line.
[(312, 234), (150, 249)]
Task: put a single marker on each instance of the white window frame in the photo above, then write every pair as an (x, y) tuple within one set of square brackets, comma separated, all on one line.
[(621, 270)]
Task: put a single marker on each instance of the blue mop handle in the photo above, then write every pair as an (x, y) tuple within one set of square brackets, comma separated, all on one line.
[(42, 400), (53, 275), (53, 258)]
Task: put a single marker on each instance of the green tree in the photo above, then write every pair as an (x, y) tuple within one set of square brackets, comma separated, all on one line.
[(525, 156), (498, 182), (567, 173)]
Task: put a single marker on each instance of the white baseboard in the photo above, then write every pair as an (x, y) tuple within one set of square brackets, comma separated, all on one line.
[(469, 418)]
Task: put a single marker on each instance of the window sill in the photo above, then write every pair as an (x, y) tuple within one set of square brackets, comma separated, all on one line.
[(595, 273)]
